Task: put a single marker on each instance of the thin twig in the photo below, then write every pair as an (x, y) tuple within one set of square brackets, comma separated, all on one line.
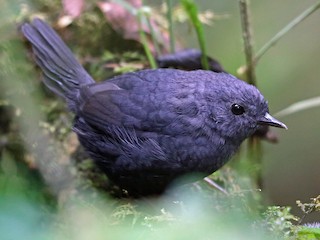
[(144, 41), (170, 23), (285, 30), (254, 148), (215, 185), (153, 35), (299, 106), (248, 40)]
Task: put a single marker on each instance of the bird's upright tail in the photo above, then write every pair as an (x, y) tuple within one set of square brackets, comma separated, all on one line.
[(63, 74)]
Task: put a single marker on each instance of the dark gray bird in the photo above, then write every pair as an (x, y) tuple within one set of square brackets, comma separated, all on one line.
[(144, 129)]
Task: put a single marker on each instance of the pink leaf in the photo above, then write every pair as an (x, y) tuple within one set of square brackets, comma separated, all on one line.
[(73, 8), (120, 19), (126, 23)]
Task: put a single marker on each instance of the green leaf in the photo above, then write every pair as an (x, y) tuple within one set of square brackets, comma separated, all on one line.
[(192, 11), (307, 233)]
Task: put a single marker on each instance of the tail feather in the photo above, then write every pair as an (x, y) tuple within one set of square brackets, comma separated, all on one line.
[(63, 74)]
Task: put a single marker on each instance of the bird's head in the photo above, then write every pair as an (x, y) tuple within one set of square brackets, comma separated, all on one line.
[(237, 109)]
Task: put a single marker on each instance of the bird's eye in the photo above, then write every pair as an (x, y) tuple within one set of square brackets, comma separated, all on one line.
[(237, 109)]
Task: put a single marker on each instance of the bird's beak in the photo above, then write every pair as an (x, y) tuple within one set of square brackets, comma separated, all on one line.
[(267, 119)]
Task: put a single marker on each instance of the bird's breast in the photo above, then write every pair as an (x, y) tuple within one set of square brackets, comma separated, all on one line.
[(198, 154)]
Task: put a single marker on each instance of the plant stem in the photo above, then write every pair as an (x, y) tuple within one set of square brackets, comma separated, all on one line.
[(153, 36), (144, 42), (254, 147), (248, 40), (170, 23), (191, 9), (299, 106), (284, 30)]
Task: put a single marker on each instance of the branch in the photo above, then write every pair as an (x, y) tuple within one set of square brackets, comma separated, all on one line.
[(285, 30), (299, 106), (144, 40), (248, 40), (170, 23)]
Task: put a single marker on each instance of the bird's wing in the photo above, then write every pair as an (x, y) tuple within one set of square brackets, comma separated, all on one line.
[(124, 102), (144, 115), (95, 105), (129, 119), (161, 102)]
